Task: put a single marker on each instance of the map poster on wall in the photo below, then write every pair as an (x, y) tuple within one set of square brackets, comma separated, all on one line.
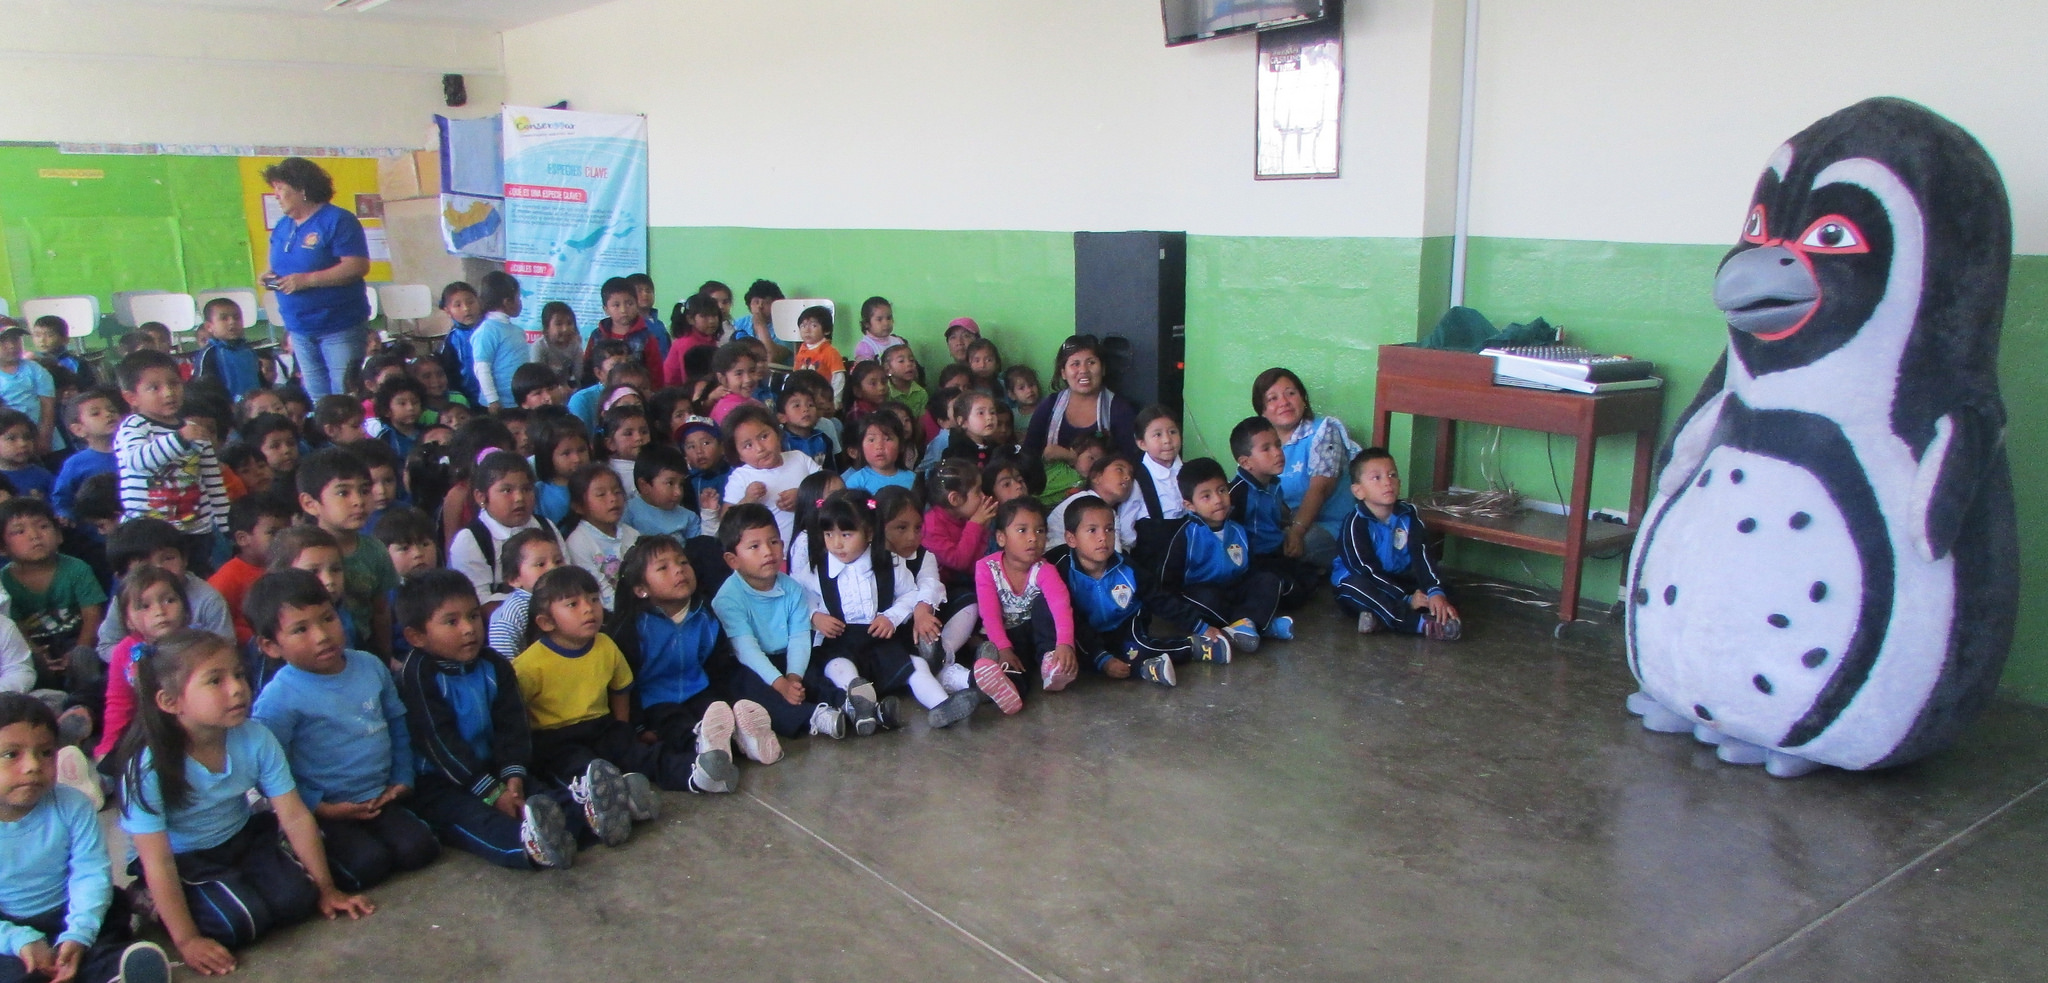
[(575, 207), (472, 187)]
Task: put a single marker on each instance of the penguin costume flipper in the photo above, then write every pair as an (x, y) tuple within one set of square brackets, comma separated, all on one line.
[(1693, 436), (1952, 473)]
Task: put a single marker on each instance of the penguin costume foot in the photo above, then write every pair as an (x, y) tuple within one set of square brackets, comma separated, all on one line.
[(1656, 718)]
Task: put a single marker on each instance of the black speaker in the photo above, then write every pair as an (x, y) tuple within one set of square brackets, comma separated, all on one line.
[(454, 90), (1130, 290)]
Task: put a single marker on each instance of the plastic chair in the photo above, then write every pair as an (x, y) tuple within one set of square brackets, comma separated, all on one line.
[(124, 306), (3, 307), (784, 314), (370, 291), (406, 302), (81, 314), (177, 312), (271, 311)]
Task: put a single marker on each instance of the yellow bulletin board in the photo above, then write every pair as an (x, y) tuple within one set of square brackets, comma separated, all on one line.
[(355, 188)]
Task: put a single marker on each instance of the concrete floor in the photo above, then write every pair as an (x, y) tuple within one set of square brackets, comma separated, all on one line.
[(1337, 808)]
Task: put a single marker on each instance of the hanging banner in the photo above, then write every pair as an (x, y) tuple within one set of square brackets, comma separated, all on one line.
[(472, 183), (575, 207)]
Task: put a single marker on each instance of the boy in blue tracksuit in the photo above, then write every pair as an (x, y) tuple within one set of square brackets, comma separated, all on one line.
[(1197, 569), (1109, 611), (227, 356), (1257, 504), (1382, 572), (471, 739)]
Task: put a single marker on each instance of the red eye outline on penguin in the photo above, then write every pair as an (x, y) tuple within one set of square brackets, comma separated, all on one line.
[(1849, 240)]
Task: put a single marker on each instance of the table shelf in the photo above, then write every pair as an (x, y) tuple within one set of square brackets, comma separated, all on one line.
[(1529, 529)]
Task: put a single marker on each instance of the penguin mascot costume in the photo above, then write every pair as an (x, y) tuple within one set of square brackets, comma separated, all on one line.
[(1828, 570)]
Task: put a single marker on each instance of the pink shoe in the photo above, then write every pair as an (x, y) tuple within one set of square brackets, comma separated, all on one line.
[(1054, 679), (755, 733), (995, 684)]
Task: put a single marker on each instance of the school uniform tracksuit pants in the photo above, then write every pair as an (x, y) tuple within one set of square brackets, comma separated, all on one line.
[(102, 960), (1129, 643), (1357, 593), (562, 753), (244, 888), (470, 824), (363, 853), (1298, 577), (1254, 597)]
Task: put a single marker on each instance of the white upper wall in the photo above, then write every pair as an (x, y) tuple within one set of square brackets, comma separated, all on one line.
[(82, 71), (1649, 122), (991, 114)]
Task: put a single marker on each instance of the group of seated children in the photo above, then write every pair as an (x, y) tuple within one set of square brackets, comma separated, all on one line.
[(642, 586)]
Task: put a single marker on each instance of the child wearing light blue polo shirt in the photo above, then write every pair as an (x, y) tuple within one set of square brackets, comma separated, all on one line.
[(498, 347)]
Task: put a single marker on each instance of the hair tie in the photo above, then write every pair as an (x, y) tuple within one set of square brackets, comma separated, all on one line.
[(486, 452), (871, 505), (141, 651), (819, 504)]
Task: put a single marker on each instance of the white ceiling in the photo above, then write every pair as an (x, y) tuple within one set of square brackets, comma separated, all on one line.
[(497, 15)]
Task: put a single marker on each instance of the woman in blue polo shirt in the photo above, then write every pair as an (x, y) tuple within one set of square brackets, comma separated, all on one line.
[(318, 257)]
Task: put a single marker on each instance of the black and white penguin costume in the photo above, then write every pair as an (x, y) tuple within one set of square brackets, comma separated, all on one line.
[(1828, 571)]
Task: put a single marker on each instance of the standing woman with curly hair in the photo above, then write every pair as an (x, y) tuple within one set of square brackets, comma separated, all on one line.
[(318, 257)]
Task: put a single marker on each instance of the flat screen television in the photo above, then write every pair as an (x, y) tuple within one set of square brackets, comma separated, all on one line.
[(1200, 20)]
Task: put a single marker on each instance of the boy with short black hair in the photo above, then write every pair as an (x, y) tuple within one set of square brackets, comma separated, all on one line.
[(1383, 573), (91, 417), (166, 462), (533, 386), (1258, 504), (274, 435), (337, 715), (411, 539), (1198, 571), (19, 460), (623, 322), (52, 598), (51, 336), (156, 543), (1109, 480), (227, 356), (473, 742), (27, 386), (246, 463), (1110, 620), (767, 616), (387, 478), (522, 561), (661, 474), (334, 491), (798, 414), (253, 520)]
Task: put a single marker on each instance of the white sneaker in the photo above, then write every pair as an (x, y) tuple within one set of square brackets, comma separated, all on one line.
[(1367, 624), (643, 803), (755, 732), (956, 678), (715, 729), (828, 722)]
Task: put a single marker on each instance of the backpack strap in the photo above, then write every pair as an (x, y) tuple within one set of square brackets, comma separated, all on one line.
[(1149, 491), (828, 586), (489, 548)]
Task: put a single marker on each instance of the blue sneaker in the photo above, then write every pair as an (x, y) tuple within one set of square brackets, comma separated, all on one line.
[(1282, 628), (1210, 649), (1243, 635)]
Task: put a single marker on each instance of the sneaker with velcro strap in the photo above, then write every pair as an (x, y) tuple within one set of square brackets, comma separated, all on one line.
[(1210, 649), (1157, 669), (1243, 635)]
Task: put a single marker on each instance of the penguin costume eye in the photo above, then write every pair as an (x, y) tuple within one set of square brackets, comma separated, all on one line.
[(1833, 234), (1753, 229)]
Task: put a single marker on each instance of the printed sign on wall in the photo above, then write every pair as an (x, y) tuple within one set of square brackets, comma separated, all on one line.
[(575, 207)]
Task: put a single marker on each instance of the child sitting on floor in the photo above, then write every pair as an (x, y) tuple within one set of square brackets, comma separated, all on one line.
[(667, 623), (336, 713), (470, 735), (525, 558), (1017, 591), (597, 539), (502, 486), (765, 614), (1197, 568), (218, 872), (861, 597), (1383, 573), (1111, 625), (62, 917)]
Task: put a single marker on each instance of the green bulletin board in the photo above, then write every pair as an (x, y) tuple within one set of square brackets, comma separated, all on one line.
[(96, 224)]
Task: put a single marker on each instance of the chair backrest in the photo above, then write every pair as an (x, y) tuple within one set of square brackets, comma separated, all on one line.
[(175, 311), (124, 306), (405, 301), (272, 312), (243, 297), (370, 291), (3, 307), (784, 314), (81, 314)]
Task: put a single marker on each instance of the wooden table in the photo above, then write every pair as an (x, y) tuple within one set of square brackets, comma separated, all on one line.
[(1458, 387)]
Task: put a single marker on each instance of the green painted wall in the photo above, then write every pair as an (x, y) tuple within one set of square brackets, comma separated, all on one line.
[(146, 223), (1323, 306)]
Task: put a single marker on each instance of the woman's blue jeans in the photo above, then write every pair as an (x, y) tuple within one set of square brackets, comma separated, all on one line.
[(324, 361)]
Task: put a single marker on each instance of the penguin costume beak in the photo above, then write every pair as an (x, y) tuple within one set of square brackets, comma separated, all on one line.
[(1768, 292)]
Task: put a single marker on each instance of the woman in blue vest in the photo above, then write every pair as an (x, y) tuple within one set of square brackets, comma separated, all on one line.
[(318, 257), (1318, 452)]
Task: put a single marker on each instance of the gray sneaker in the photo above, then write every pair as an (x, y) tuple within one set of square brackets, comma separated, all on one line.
[(545, 832), (956, 708), (602, 794), (828, 722), (713, 772), (860, 709), (144, 962), (642, 801)]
